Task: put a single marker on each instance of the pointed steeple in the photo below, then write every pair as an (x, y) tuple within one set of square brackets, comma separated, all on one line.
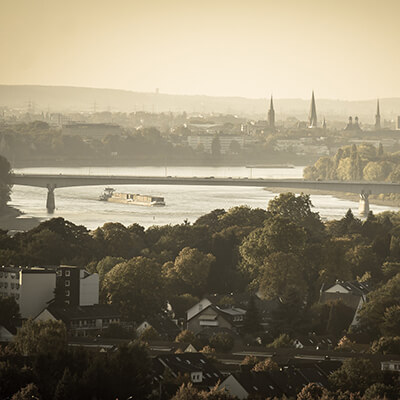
[(377, 117), (271, 115), (312, 119)]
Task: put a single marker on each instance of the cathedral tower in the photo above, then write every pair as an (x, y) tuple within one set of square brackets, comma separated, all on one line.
[(312, 119), (271, 115), (377, 117)]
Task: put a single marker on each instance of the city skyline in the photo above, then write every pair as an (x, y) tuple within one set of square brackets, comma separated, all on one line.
[(342, 50)]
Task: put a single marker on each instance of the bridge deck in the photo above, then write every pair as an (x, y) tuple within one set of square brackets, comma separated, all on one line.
[(59, 181)]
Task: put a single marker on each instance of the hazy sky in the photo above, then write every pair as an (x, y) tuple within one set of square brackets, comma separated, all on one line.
[(346, 49)]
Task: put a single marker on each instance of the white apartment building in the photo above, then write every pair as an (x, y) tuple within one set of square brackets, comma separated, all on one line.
[(32, 287)]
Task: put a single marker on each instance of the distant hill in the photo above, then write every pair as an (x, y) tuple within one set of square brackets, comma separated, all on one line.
[(71, 99)]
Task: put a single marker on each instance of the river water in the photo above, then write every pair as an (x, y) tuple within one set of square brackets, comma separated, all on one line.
[(80, 205)]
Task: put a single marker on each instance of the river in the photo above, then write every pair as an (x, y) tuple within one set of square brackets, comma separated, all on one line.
[(80, 205)]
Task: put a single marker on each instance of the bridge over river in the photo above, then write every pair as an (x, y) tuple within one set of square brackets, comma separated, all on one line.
[(51, 182)]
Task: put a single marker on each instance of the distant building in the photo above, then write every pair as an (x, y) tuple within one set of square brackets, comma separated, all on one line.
[(32, 287), (377, 117), (271, 115), (312, 120), (353, 126), (94, 131), (205, 142), (77, 287)]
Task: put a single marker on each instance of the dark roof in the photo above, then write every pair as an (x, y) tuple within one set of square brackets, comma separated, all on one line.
[(164, 326), (259, 384), (186, 363), (68, 313)]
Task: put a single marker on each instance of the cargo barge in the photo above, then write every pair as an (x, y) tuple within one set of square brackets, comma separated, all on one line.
[(131, 198)]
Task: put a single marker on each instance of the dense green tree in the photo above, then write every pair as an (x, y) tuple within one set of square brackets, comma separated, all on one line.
[(9, 310), (216, 147), (106, 264), (372, 314), (131, 367), (355, 375), (136, 287), (192, 267), (116, 240), (282, 277), (42, 337), (221, 342), (5, 182), (283, 340), (312, 391), (66, 387), (29, 392), (386, 345), (252, 320)]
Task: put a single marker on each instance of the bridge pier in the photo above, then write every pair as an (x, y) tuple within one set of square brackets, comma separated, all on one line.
[(50, 203), (363, 208)]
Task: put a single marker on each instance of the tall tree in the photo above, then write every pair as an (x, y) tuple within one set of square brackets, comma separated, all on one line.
[(136, 287), (5, 182)]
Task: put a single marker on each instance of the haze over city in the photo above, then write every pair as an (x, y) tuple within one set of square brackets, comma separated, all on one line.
[(341, 49)]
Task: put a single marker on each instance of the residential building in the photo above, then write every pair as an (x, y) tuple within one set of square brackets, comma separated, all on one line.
[(82, 320), (200, 370), (353, 294), (76, 287), (205, 315), (32, 287)]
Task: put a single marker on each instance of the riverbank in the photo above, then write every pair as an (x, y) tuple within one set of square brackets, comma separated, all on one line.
[(373, 199), (12, 219)]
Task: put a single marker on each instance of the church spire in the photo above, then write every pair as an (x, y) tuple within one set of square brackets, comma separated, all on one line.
[(377, 117), (271, 115), (312, 121)]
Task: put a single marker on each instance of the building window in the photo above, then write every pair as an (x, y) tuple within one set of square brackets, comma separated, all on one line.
[(17, 286), (66, 283), (67, 273), (67, 293), (12, 285), (17, 296), (5, 285), (59, 273), (66, 301)]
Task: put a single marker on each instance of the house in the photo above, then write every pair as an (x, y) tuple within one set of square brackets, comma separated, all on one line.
[(391, 365), (196, 366), (76, 287), (82, 320), (162, 324), (353, 294), (255, 384), (31, 287), (206, 315), (288, 380)]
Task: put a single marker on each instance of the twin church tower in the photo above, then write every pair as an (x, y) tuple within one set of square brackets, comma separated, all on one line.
[(312, 118)]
